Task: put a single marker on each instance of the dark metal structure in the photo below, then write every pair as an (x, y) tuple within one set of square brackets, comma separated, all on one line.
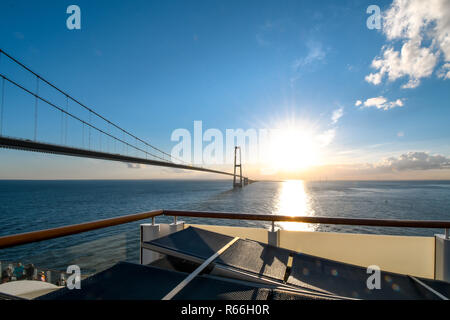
[(29, 145), (236, 165)]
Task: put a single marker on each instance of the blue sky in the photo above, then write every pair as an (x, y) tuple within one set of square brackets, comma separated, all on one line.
[(155, 66)]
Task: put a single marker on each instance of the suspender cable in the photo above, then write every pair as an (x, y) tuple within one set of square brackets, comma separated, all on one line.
[(66, 121), (36, 108), (3, 98), (2, 106), (89, 141), (62, 127), (82, 135)]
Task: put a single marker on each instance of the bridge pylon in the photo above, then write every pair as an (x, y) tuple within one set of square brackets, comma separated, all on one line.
[(240, 183)]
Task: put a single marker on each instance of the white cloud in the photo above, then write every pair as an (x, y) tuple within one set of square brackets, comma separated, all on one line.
[(337, 114), (415, 161), (424, 29), (267, 32), (375, 102), (381, 103), (358, 103), (412, 61), (326, 137), (315, 53), (444, 72)]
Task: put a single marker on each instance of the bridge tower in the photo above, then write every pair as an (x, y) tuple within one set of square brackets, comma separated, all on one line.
[(236, 165)]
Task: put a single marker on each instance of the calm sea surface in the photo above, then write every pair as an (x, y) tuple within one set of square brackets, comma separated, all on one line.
[(33, 205)]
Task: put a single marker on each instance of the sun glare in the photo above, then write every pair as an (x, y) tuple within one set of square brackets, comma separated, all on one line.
[(293, 200), (294, 148)]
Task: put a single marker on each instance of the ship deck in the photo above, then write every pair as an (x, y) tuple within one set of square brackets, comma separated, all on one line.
[(200, 264)]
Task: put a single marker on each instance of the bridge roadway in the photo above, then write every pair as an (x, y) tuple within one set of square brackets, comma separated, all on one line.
[(29, 145)]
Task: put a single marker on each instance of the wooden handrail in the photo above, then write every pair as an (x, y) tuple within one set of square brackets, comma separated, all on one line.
[(307, 219), (34, 236)]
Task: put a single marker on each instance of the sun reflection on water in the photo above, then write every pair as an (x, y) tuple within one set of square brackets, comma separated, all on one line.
[(294, 200)]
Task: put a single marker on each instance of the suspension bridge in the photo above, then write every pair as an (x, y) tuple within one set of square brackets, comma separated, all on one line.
[(91, 134)]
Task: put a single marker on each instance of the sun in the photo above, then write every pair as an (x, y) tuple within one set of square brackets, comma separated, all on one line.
[(293, 147)]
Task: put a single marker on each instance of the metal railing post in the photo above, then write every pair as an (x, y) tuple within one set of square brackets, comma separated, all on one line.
[(442, 256), (273, 236)]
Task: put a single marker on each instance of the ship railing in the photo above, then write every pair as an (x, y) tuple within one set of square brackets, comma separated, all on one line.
[(41, 235), (102, 246)]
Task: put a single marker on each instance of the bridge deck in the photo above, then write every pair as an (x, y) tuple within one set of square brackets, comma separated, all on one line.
[(29, 145)]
